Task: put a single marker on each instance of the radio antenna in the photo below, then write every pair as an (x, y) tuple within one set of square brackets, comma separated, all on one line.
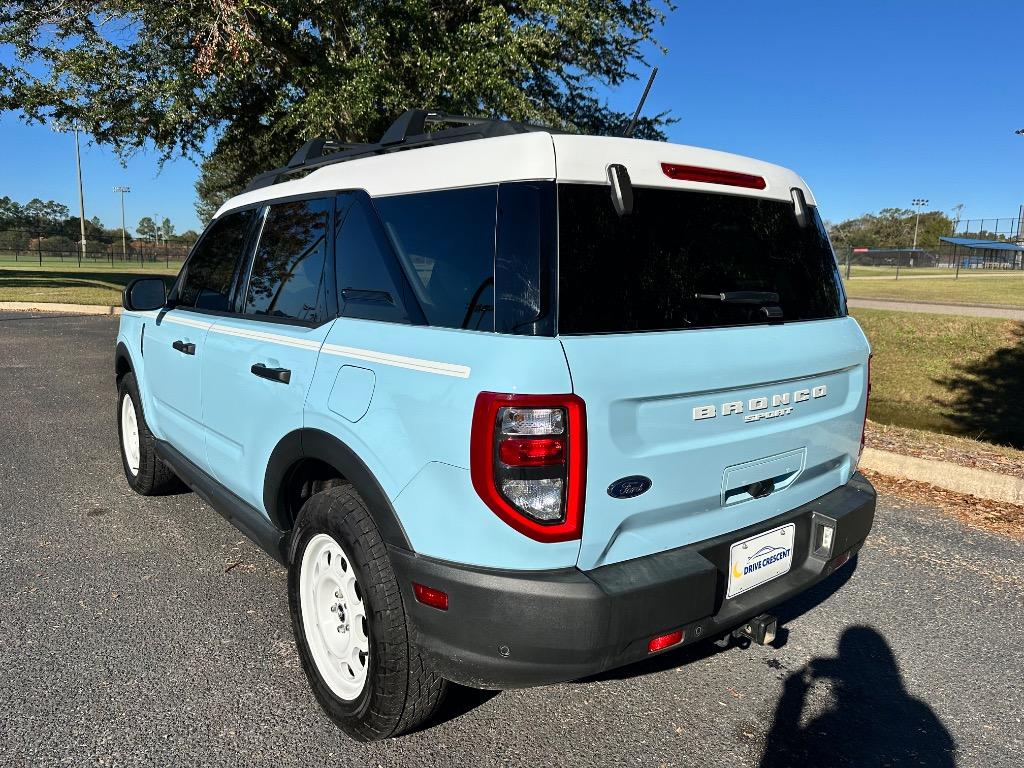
[(632, 123)]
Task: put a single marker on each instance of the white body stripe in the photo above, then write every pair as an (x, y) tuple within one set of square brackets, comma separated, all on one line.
[(368, 355), (399, 361), (179, 320), (275, 338)]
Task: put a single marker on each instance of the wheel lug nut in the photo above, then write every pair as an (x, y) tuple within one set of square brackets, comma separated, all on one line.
[(337, 593), (334, 609)]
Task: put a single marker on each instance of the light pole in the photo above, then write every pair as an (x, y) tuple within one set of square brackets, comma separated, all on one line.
[(124, 232), (75, 126), (918, 203)]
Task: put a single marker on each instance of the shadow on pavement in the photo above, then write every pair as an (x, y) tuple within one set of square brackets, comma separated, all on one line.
[(872, 720), (981, 404), (459, 701)]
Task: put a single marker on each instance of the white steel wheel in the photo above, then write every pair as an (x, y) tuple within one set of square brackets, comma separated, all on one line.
[(130, 434), (334, 616)]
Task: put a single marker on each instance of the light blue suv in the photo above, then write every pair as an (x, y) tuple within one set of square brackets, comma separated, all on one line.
[(513, 406)]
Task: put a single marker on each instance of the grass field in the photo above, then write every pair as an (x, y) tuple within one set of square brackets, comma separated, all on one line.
[(958, 375), (69, 284), (1005, 289)]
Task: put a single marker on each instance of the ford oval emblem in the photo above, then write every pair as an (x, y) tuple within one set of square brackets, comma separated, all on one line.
[(628, 487)]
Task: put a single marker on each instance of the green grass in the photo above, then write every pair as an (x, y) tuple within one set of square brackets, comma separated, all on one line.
[(1006, 289), (67, 283), (946, 373)]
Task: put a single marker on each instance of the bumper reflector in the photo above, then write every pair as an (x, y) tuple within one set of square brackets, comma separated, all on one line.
[(838, 562), (661, 642), (435, 598)]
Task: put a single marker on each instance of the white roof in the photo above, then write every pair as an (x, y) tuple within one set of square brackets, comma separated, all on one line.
[(523, 157)]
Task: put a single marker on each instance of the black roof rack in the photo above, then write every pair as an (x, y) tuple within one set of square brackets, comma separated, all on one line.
[(407, 132)]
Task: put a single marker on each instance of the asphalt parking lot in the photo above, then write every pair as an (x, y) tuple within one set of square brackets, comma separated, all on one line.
[(149, 632)]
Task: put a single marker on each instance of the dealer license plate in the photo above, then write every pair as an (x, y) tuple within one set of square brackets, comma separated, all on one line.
[(759, 559)]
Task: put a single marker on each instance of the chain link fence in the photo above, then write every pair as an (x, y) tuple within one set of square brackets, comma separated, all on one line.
[(973, 245)]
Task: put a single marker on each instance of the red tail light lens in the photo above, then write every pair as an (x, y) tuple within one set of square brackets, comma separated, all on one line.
[(712, 176), (535, 452), (528, 462)]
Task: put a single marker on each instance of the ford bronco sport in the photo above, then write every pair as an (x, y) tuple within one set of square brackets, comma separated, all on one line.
[(512, 406)]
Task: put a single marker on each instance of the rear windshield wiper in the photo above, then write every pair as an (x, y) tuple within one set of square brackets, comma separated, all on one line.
[(740, 297)]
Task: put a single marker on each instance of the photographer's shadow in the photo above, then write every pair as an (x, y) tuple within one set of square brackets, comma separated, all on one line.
[(872, 720)]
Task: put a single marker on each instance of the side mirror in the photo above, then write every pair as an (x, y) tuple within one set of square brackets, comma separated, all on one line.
[(622, 189), (144, 294)]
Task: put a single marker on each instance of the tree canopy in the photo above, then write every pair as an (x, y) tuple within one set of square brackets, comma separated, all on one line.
[(48, 217), (890, 228), (258, 77)]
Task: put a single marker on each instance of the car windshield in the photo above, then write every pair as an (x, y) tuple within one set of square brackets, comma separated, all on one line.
[(684, 260)]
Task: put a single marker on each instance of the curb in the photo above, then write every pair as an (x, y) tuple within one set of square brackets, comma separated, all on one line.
[(942, 474), (43, 306)]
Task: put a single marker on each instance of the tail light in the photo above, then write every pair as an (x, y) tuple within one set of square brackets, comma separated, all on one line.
[(528, 462)]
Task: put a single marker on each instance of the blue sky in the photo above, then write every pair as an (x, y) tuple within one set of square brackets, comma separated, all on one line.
[(873, 103)]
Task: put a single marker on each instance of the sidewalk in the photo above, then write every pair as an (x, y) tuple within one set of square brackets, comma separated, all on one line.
[(44, 306), (964, 310)]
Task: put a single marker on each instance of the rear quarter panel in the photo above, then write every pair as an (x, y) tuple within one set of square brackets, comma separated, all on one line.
[(414, 435)]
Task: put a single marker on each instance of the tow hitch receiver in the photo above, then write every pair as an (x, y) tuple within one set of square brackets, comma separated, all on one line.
[(760, 629)]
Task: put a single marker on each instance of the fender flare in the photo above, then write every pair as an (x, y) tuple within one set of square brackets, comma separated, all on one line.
[(122, 353), (309, 443)]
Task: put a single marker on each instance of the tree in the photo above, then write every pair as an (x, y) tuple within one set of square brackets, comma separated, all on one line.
[(39, 214), (93, 229), (146, 228), (260, 77), (890, 228), (166, 229)]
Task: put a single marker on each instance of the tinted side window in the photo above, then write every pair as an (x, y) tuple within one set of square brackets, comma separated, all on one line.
[(288, 266), (524, 267), (370, 282), (206, 283), (445, 241)]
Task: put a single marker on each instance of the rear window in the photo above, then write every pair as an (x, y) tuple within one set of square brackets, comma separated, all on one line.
[(666, 265)]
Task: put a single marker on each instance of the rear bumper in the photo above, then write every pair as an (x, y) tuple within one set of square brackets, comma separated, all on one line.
[(510, 629)]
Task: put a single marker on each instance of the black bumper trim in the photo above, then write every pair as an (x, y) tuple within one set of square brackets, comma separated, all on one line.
[(511, 629)]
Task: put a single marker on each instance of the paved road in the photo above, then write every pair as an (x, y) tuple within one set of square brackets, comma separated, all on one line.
[(127, 639), (939, 309)]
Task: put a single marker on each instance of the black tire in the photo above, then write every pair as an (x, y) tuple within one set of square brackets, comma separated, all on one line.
[(153, 478), (402, 690)]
